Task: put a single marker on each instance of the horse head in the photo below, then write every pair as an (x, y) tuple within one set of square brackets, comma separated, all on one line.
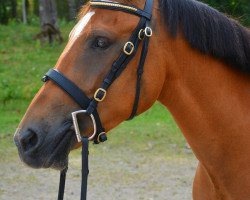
[(101, 37)]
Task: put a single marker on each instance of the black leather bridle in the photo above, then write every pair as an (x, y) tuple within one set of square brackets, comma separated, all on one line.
[(142, 33)]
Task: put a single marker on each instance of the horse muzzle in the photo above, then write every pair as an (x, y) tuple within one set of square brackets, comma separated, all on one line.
[(39, 149)]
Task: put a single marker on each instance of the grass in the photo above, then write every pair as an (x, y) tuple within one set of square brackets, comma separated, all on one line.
[(23, 62)]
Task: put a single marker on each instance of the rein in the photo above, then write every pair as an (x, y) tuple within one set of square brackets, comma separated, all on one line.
[(142, 33)]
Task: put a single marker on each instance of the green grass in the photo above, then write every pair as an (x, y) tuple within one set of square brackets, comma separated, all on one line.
[(22, 64), (24, 61)]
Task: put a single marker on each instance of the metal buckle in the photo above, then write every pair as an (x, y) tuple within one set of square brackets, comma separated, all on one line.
[(96, 93), (148, 31), (131, 50), (76, 126), (140, 33), (44, 79), (99, 137)]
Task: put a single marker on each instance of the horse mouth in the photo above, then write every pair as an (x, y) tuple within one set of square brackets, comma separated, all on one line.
[(52, 151)]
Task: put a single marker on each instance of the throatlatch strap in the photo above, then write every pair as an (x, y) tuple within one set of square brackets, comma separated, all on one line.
[(140, 71), (62, 184), (85, 167)]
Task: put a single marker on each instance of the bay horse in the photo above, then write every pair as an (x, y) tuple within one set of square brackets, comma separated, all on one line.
[(198, 66)]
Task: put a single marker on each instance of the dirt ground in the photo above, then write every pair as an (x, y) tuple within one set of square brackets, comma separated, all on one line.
[(115, 174)]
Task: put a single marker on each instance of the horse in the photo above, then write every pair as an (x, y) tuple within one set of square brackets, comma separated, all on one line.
[(197, 66)]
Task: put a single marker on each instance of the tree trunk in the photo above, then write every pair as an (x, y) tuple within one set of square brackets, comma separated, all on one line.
[(24, 8), (48, 12), (72, 9), (48, 20)]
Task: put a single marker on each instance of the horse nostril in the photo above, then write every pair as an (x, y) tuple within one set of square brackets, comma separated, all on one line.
[(29, 140)]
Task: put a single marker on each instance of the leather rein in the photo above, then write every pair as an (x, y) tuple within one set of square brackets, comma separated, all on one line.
[(141, 33)]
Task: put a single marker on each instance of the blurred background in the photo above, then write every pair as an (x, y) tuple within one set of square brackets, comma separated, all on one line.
[(33, 34), (27, 11)]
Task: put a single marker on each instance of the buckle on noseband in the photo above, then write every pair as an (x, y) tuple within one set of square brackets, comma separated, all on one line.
[(100, 94), (141, 34), (76, 126), (148, 31), (45, 79), (128, 48)]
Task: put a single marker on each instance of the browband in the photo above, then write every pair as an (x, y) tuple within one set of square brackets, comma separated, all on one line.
[(121, 7)]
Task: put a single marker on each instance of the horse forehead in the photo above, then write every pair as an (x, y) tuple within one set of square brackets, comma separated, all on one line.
[(116, 21), (79, 27), (110, 17)]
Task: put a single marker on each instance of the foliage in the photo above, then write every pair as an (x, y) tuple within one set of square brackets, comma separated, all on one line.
[(22, 54), (22, 64), (7, 10), (240, 9), (62, 8)]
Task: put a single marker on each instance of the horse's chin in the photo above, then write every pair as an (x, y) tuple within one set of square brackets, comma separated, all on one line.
[(57, 163), (58, 159)]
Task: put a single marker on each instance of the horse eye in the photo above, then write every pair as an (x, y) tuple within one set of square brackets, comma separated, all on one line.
[(101, 43)]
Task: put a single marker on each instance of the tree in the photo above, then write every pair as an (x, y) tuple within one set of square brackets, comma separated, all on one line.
[(72, 9), (24, 9), (48, 20), (48, 12), (14, 9)]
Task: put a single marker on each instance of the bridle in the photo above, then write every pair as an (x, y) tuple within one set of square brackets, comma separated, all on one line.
[(141, 33)]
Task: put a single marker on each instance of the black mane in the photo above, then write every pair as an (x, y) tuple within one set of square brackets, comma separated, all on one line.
[(209, 31)]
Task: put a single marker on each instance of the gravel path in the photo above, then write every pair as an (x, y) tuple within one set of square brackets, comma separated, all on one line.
[(115, 174)]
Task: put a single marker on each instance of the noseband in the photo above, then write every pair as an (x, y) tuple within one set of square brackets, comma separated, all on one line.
[(142, 33)]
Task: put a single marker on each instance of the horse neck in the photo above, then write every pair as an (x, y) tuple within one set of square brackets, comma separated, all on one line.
[(209, 101)]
